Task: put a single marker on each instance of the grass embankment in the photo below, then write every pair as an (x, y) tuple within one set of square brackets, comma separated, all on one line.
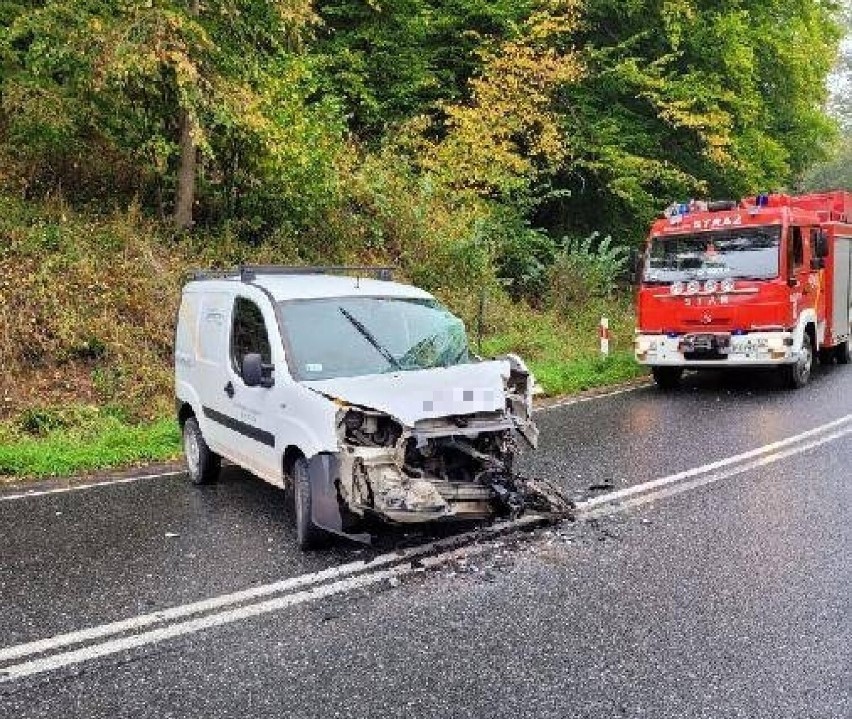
[(87, 307), (97, 444)]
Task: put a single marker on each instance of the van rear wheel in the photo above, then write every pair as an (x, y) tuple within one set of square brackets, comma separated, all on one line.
[(202, 463)]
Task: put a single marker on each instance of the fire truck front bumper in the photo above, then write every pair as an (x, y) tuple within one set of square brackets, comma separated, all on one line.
[(716, 349)]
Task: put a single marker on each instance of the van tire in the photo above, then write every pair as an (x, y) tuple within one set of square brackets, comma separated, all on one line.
[(667, 377), (843, 353), (202, 464), (308, 535)]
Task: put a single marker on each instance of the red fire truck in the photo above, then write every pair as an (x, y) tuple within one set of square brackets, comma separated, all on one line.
[(764, 282)]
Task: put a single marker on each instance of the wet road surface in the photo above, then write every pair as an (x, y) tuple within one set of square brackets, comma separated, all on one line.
[(728, 600)]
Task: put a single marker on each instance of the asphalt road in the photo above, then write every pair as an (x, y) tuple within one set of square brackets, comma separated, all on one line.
[(724, 592)]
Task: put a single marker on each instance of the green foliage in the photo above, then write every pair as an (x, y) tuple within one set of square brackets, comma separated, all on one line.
[(833, 174), (562, 350), (524, 257), (693, 98), (586, 268), (394, 59), (98, 442), (619, 106), (92, 92), (561, 377)]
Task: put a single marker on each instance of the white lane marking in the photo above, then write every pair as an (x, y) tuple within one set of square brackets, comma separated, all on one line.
[(287, 585), (599, 506), (586, 512), (712, 466), (90, 485), (591, 398), (84, 654)]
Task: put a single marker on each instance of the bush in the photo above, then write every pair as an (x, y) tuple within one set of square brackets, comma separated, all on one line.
[(524, 258), (586, 268)]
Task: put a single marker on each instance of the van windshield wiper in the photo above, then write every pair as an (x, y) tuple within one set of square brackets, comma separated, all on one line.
[(371, 338)]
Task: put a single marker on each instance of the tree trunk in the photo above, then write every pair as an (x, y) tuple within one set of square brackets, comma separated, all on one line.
[(185, 193), (186, 175)]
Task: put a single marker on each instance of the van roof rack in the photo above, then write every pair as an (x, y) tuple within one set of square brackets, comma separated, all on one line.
[(248, 273)]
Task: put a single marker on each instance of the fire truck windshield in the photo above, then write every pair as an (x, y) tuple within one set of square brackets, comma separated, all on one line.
[(742, 252)]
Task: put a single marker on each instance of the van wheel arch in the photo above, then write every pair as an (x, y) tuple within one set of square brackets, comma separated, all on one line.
[(184, 413), (291, 454)]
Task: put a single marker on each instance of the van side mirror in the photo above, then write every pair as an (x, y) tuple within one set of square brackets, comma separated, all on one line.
[(819, 240), (255, 373)]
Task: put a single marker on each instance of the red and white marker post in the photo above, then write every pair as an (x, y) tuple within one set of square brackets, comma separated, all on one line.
[(603, 334)]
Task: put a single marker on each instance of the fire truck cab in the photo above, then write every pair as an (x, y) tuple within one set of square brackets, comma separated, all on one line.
[(764, 282)]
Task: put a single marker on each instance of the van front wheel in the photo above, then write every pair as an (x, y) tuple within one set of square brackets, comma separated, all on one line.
[(308, 535)]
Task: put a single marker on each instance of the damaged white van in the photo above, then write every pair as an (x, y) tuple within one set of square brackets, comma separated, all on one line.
[(357, 393)]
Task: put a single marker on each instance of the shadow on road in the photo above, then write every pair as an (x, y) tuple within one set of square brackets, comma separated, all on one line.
[(246, 494)]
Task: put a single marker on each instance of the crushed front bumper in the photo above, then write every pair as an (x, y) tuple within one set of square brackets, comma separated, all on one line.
[(347, 486)]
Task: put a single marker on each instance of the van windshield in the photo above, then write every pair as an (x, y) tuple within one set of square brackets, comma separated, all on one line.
[(354, 336), (743, 252)]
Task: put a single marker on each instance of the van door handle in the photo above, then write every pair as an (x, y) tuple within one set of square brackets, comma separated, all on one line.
[(229, 390)]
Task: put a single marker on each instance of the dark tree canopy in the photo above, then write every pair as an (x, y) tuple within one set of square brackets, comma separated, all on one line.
[(571, 115)]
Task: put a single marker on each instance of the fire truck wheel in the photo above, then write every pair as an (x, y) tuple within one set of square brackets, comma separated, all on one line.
[(843, 353), (667, 377), (827, 355), (798, 374)]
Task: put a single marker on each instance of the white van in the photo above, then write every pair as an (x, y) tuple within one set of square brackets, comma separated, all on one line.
[(358, 393)]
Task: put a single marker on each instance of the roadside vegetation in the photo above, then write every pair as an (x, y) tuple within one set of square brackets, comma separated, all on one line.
[(502, 154)]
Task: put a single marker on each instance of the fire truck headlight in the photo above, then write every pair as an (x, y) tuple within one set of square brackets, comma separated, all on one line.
[(645, 344), (775, 343)]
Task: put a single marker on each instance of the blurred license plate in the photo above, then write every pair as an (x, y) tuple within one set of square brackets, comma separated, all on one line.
[(707, 344)]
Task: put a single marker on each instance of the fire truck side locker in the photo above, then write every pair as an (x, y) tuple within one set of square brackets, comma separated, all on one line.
[(842, 281)]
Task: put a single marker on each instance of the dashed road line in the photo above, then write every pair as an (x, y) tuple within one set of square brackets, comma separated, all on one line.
[(591, 398), (89, 485)]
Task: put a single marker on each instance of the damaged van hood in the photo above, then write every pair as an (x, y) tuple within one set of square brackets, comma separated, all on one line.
[(416, 395)]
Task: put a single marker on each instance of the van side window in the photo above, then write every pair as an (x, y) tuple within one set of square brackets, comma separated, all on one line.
[(248, 334), (796, 250)]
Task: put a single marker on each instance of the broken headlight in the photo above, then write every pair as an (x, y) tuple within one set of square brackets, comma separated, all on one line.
[(353, 420), (369, 429)]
